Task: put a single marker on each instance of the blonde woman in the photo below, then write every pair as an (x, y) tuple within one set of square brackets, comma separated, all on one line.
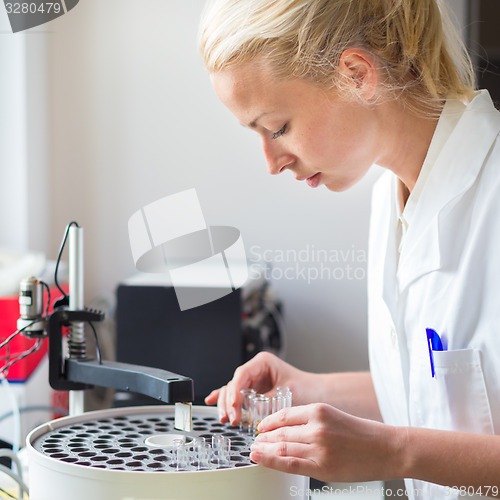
[(332, 87)]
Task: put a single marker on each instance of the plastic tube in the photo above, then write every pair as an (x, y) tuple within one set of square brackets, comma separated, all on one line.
[(246, 417), (261, 408), (286, 393)]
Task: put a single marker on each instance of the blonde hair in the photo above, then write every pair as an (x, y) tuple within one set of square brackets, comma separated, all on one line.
[(419, 54)]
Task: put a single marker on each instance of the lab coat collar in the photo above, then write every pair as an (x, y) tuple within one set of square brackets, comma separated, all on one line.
[(454, 172)]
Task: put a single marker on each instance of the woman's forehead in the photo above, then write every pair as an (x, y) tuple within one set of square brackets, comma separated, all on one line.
[(247, 85), (256, 82)]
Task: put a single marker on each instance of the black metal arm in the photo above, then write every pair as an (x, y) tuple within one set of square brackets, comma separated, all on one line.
[(160, 384), (76, 374)]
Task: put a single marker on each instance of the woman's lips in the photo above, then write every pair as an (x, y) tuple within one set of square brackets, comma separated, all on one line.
[(314, 180)]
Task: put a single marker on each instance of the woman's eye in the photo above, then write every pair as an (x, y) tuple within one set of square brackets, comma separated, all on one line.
[(280, 132)]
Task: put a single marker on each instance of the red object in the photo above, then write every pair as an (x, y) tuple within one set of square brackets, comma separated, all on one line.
[(9, 314), (60, 399)]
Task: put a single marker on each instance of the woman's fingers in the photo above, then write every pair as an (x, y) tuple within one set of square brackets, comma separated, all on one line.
[(284, 456), (218, 396), (222, 405), (296, 415), (292, 434), (233, 403), (228, 408), (225, 404), (286, 442), (325, 443), (212, 398), (260, 373)]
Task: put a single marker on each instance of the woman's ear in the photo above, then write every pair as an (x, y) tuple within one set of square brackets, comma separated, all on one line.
[(358, 67)]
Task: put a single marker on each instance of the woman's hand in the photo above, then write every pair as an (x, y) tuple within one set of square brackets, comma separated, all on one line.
[(323, 442), (264, 373)]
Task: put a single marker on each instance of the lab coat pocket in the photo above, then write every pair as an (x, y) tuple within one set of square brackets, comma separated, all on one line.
[(459, 395)]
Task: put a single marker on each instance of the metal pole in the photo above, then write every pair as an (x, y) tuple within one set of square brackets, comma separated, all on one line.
[(76, 302)]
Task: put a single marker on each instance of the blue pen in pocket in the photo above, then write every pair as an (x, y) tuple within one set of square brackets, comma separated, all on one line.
[(434, 343)]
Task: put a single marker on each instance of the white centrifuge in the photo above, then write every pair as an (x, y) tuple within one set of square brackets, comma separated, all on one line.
[(127, 454)]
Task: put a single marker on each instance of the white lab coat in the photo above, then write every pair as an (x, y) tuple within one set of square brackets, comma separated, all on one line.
[(448, 279)]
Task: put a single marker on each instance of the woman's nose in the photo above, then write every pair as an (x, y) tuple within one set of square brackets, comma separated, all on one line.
[(276, 159)]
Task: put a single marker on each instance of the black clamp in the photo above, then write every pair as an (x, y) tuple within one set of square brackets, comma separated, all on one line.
[(57, 364)]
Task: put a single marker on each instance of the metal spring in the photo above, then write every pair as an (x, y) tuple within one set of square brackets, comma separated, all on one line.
[(76, 348)]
